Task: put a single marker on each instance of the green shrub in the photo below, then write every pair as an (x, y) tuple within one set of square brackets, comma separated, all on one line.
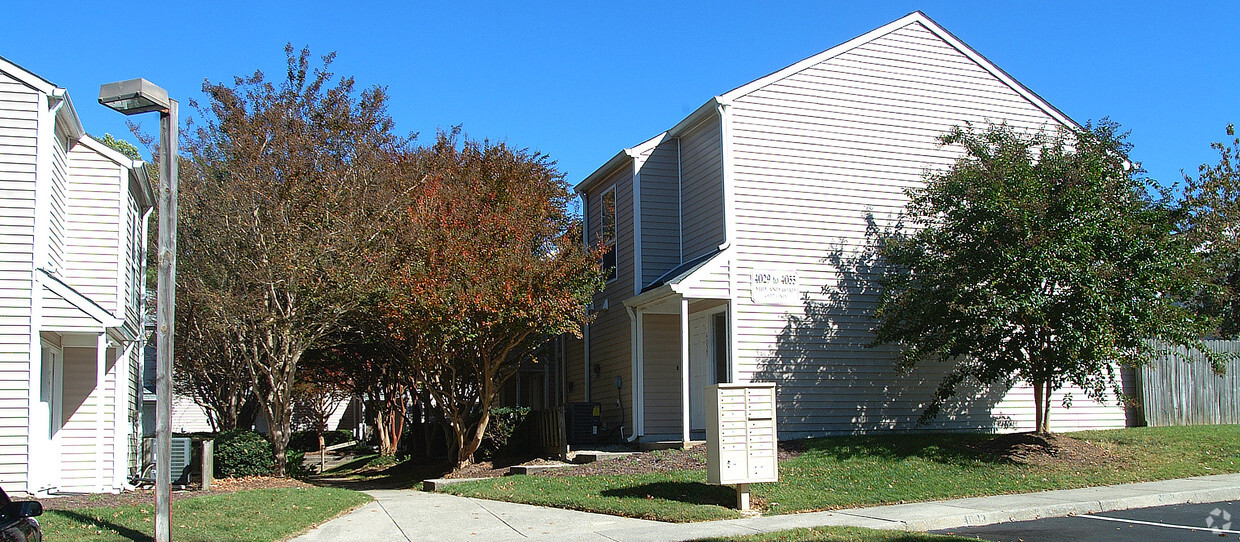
[(308, 441), (497, 438), (295, 465), (242, 453)]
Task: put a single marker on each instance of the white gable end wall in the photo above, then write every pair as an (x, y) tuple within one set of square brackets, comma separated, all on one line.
[(19, 120), (815, 155)]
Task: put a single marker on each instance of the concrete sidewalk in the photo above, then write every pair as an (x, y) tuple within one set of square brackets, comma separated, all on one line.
[(416, 515)]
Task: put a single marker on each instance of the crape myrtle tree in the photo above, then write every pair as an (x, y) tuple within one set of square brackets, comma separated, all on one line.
[(1039, 258), (489, 264), (282, 211), (210, 368), (1212, 201), (360, 357)]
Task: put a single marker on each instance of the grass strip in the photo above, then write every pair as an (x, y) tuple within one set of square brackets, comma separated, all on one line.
[(254, 515), (855, 471)]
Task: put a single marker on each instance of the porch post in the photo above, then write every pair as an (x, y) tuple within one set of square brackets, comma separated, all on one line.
[(684, 370), (101, 365)]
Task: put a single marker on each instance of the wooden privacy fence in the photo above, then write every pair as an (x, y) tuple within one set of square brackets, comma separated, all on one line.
[(546, 431), (1179, 392)]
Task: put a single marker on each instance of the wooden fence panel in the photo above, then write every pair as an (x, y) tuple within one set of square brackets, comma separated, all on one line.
[(1179, 392)]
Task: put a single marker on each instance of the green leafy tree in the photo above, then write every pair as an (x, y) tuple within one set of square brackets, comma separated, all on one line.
[(1043, 259), (120, 145), (1212, 200)]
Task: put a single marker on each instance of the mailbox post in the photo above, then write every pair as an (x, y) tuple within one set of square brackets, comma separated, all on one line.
[(741, 443)]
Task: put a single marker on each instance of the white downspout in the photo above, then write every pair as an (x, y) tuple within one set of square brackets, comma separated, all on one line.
[(101, 366), (725, 167), (639, 359), (684, 370)]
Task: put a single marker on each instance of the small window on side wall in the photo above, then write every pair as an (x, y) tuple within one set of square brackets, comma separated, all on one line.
[(607, 233)]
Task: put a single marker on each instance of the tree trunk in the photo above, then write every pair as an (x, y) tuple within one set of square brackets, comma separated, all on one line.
[(1039, 420)]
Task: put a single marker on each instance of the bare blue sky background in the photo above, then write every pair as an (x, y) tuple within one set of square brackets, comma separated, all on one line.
[(580, 80)]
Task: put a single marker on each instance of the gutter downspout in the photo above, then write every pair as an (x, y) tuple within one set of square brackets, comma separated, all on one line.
[(638, 358), (725, 166)]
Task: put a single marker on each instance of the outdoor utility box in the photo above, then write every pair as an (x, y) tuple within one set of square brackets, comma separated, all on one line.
[(740, 434), (582, 421)]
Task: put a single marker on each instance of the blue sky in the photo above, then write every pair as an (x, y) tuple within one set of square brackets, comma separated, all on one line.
[(580, 80)]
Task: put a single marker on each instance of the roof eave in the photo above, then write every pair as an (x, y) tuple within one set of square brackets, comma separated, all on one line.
[(932, 26)]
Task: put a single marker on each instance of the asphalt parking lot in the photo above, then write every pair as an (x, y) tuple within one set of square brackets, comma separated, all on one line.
[(1181, 522)]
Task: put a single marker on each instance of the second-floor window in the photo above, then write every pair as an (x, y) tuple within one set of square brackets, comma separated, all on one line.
[(607, 232)]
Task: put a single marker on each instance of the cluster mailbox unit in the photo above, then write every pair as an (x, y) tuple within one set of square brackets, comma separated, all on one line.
[(741, 445)]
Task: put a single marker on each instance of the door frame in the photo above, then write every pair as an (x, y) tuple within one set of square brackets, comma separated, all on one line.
[(708, 358)]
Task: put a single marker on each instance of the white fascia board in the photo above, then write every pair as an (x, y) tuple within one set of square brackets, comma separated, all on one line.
[(933, 27), (27, 77), (75, 298), (138, 176), (67, 116), (602, 172), (702, 113), (109, 153)]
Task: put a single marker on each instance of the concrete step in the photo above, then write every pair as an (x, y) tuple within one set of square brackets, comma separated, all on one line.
[(584, 457), (650, 446), (435, 484), (531, 469)]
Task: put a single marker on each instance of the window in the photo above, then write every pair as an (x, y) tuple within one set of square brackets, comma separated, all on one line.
[(607, 233)]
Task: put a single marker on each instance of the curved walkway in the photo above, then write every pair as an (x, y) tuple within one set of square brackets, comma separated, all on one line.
[(416, 515)]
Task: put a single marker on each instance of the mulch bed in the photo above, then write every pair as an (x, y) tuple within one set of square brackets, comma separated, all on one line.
[(638, 463), (1045, 450), (147, 496)]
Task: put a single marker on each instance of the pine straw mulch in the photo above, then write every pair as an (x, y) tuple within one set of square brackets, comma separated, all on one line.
[(139, 497)]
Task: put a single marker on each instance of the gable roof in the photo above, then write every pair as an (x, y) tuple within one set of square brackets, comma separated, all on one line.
[(137, 168), (928, 24), (66, 115), (915, 17)]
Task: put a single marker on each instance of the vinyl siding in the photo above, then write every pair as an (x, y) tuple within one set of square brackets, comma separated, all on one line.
[(817, 156), (660, 213), (87, 437), (96, 217), (701, 196), (661, 374), (56, 203), (19, 111), (574, 369), (610, 335)]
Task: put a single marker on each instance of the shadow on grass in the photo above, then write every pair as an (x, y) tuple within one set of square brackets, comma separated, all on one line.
[(126, 532), (686, 492)]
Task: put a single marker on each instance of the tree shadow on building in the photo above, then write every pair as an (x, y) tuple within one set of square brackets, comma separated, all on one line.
[(831, 379)]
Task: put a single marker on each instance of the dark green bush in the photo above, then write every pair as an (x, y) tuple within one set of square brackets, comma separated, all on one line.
[(242, 453), (295, 464), (308, 441), (497, 439)]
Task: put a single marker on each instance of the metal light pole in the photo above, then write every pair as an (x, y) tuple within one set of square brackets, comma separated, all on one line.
[(133, 97)]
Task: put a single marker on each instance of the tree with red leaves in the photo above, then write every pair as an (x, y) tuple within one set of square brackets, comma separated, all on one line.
[(488, 265)]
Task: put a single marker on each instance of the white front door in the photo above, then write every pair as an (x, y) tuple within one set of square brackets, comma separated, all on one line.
[(50, 395), (701, 374)]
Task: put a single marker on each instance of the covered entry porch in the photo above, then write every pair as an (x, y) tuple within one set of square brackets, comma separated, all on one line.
[(681, 344)]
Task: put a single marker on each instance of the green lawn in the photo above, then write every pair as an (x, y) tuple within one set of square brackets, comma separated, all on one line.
[(845, 472), (839, 534), (258, 515)]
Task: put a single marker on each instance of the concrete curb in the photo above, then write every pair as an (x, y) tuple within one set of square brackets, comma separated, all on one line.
[(435, 484)]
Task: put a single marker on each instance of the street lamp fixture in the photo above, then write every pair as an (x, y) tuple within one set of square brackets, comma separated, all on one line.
[(131, 98), (134, 96)]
